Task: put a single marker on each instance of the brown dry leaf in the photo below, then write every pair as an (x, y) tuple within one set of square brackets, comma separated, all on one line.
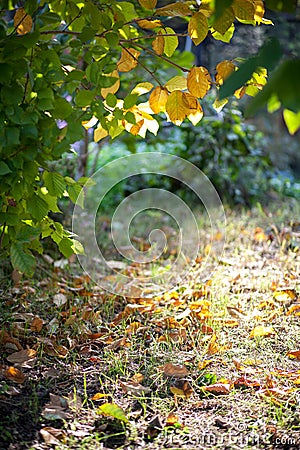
[(99, 396), (118, 343), (134, 388), (128, 60), (294, 309), (22, 356), (214, 347), (218, 388), (56, 408), (228, 323), (53, 436), (182, 389), (54, 349), (14, 375), (176, 371), (36, 324), (172, 419), (5, 338), (294, 354), (246, 382), (133, 327), (22, 21), (261, 331)]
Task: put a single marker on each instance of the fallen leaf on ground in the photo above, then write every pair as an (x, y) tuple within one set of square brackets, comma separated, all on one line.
[(246, 382), (218, 388), (294, 354), (134, 388), (205, 363), (285, 295), (53, 436), (182, 389), (176, 371), (36, 324), (172, 419), (56, 408), (59, 299), (113, 410), (261, 331), (14, 375), (99, 396), (22, 356)]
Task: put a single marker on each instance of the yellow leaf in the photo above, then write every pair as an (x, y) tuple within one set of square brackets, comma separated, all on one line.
[(198, 81), (113, 410), (128, 60), (224, 69), (158, 44), (174, 9), (195, 111), (294, 354), (171, 42), (99, 134), (149, 24), (142, 88), (135, 129), (183, 390), (292, 120), (99, 396), (224, 22), (148, 4), (261, 330), (22, 21), (179, 82), (14, 375), (205, 363), (285, 295), (158, 99), (89, 123), (218, 105), (176, 107), (259, 10), (239, 93), (244, 9), (172, 418), (198, 28), (114, 88)]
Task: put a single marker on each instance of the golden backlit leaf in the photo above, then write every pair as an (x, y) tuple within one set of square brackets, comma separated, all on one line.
[(294, 354), (244, 9), (223, 70), (113, 410), (224, 22), (198, 28), (174, 10), (198, 81), (261, 331), (99, 134), (142, 88), (178, 82), (218, 388), (259, 10), (148, 4), (195, 111), (205, 363), (285, 295), (176, 107), (22, 21), (149, 24), (128, 60), (136, 128), (114, 88), (171, 42), (158, 44), (14, 375), (174, 370), (99, 396), (260, 235), (172, 418), (213, 346), (158, 99)]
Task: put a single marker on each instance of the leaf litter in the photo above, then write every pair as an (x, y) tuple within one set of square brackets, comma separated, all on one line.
[(204, 355)]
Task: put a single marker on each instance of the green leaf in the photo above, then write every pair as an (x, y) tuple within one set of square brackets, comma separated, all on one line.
[(62, 108), (9, 218), (127, 10), (292, 120), (220, 7), (55, 183), (280, 5), (22, 260), (76, 194), (37, 207), (84, 98), (65, 247), (171, 42), (111, 100), (130, 100), (226, 37), (4, 169), (113, 410)]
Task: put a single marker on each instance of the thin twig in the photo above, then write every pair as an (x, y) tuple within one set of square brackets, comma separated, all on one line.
[(143, 66)]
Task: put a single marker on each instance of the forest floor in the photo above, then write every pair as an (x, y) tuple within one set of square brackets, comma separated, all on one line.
[(210, 365)]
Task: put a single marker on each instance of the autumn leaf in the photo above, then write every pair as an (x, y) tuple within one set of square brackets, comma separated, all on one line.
[(259, 11), (223, 70), (99, 396), (198, 81), (176, 371), (22, 21), (198, 28), (176, 83), (158, 99), (176, 107), (100, 133), (174, 9), (294, 354), (113, 410), (218, 388), (172, 419), (134, 388), (170, 42), (244, 9), (285, 295), (53, 436), (36, 324), (22, 356), (128, 60), (142, 88), (205, 363), (182, 389), (261, 331), (195, 111), (14, 375), (149, 24), (223, 24), (148, 4), (158, 44)]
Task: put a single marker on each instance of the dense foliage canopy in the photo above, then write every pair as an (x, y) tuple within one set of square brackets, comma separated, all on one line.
[(68, 66)]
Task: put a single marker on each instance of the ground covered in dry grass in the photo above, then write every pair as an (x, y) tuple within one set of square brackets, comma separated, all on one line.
[(213, 364)]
